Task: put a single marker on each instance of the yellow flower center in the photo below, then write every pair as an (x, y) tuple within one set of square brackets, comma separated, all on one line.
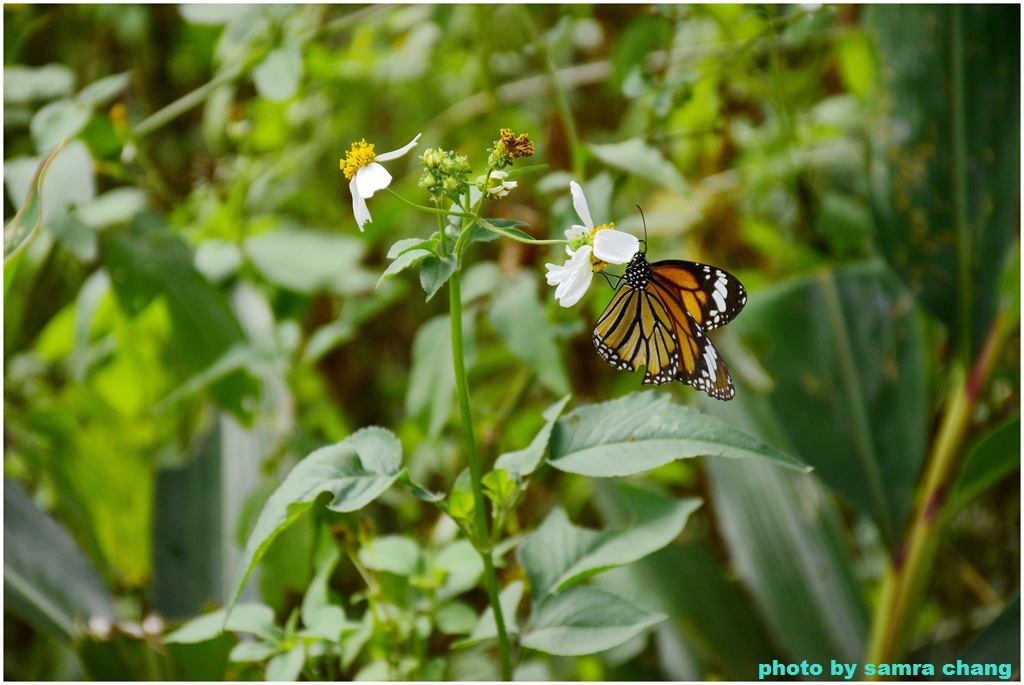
[(596, 264), (359, 156)]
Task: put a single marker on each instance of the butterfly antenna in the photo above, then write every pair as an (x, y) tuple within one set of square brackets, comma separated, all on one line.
[(644, 219)]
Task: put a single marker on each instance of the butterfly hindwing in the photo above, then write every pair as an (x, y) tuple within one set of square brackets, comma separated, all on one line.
[(655, 320)]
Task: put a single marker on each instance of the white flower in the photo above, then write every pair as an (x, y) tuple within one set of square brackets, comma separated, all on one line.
[(590, 249), (502, 186), (367, 176)]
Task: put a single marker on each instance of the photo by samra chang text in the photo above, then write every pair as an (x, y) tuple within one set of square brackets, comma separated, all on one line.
[(957, 669)]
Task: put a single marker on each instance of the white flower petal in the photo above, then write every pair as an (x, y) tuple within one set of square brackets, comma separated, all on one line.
[(359, 205), (401, 151), (574, 278), (615, 247), (580, 203), (371, 178)]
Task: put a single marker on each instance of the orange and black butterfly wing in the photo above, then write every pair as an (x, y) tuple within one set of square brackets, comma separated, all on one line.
[(713, 297), (636, 330)]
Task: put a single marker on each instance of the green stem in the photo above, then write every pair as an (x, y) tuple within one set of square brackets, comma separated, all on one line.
[(475, 475), (430, 210), (910, 572), (482, 533), (183, 104)]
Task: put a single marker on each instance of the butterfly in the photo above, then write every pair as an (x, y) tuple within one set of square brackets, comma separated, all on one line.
[(659, 317)]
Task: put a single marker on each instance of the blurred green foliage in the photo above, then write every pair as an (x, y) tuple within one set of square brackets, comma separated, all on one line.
[(190, 310)]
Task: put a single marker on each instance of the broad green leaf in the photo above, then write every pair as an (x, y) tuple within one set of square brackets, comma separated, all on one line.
[(277, 76), (99, 93), (112, 207), (462, 566), (253, 651), (584, 620), (492, 229), (247, 618), (785, 540), (645, 430), (945, 172), (994, 457), (520, 321), (24, 85), (559, 554), (637, 157), (435, 272), (354, 472), (70, 180), (849, 394), (523, 462), (712, 632), (455, 619), (26, 222), (393, 553), (287, 666), (48, 582), (487, 628), (58, 121), (309, 261)]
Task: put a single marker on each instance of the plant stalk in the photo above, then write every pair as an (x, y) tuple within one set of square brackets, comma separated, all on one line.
[(483, 535), (910, 572)]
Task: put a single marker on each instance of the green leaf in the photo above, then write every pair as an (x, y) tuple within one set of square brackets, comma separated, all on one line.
[(645, 430), (560, 554), (492, 229), (58, 121), (392, 553), (99, 93), (277, 76), (403, 261), (435, 271), (996, 456), (26, 222), (24, 85), (246, 618), (321, 617), (637, 157), (520, 321), (945, 172), (309, 261), (286, 667), (354, 471), (787, 544), (584, 620), (462, 566), (455, 619), (850, 392), (525, 461), (48, 582)]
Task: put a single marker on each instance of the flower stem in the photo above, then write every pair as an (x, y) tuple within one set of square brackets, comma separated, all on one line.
[(482, 532)]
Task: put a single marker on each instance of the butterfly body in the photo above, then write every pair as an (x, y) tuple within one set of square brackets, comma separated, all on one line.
[(659, 317)]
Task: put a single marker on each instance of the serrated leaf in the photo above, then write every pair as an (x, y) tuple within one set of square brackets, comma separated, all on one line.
[(26, 222), (584, 620), (435, 272), (523, 462), (354, 471), (560, 554), (645, 430), (402, 262)]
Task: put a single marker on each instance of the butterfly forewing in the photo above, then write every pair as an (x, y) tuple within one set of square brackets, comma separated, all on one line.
[(658, 317), (712, 296)]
